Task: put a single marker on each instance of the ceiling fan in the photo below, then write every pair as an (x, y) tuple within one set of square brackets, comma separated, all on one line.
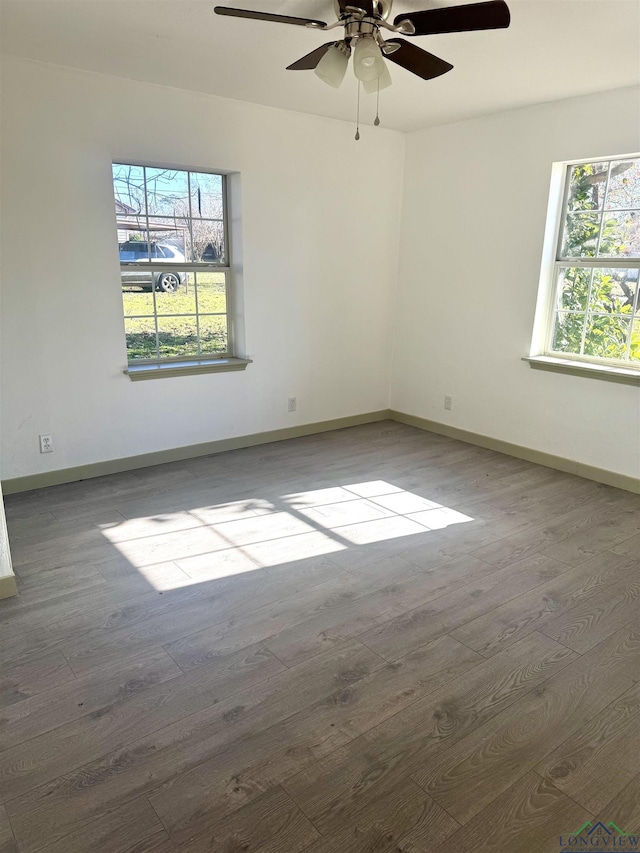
[(363, 22)]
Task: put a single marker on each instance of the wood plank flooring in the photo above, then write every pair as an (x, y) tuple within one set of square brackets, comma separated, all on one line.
[(376, 639)]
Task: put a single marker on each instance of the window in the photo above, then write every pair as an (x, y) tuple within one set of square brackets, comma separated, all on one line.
[(174, 264), (595, 310)]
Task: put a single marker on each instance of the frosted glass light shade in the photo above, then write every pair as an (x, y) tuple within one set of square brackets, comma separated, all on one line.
[(371, 86), (332, 67), (368, 63)]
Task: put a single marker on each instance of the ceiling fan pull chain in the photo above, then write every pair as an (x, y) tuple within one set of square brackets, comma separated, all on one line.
[(377, 118), (358, 114)]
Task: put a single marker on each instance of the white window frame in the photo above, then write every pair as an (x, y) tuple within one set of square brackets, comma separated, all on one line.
[(187, 364), (541, 353)]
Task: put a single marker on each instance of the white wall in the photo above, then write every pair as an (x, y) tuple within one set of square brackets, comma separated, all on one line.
[(473, 220), (320, 248), (320, 252)]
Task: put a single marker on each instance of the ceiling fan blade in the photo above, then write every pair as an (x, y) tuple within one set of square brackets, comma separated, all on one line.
[(311, 60), (492, 15), (417, 60), (267, 16)]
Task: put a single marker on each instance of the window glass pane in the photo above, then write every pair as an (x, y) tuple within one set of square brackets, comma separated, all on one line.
[(587, 185), (613, 291), (136, 302), (207, 241), (567, 332), (128, 190), (182, 300), (177, 336), (141, 338), (206, 196), (134, 250), (620, 235), (169, 239), (213, 335), (581, 232), (135, 280), (624, 185), (131, 229), (574, 288), (167, 192), (176, 217), (595, 305), (606, 337), (634, 353), (212, 296)]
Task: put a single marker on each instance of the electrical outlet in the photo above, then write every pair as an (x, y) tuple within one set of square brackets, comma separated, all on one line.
[(448, 402), (46, 444), (293, 404)]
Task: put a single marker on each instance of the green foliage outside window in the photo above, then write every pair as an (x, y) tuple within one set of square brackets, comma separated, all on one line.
[(597, 312)]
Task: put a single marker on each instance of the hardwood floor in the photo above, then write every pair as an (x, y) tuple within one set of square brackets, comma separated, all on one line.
[(376, 639)]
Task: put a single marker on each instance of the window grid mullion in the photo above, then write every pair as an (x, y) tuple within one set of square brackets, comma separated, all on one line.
[(227, 298), (195, 285), (610, 210), (148, 235), (190, 211), (586, 314), (151, 267), (190, 314), (604, 198), (613, 262)]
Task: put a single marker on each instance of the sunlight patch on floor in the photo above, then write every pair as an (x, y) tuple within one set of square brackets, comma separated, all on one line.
[(225, 540)]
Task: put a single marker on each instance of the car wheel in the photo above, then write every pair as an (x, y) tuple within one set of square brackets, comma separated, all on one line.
[(169, 282)]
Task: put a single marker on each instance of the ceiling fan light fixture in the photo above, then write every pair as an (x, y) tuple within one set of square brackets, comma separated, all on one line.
[(333, 65), (380, 83), (363, 22), (368, 64)]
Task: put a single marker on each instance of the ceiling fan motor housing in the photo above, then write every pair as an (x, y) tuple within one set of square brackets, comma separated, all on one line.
[(356, 27), (380, 9)]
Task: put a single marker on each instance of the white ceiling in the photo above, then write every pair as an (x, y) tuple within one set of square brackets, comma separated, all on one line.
[(554, 49)]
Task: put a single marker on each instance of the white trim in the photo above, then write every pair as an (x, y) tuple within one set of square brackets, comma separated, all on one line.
[(546, 284), (579, 367), (160, 457), (8, 587), (541, 352), (186, 367), (539, 457)]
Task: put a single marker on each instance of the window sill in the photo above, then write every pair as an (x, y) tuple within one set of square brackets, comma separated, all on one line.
[(184, 368), (628, 376)]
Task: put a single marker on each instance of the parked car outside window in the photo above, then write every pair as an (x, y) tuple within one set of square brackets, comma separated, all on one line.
[(138, 250)]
